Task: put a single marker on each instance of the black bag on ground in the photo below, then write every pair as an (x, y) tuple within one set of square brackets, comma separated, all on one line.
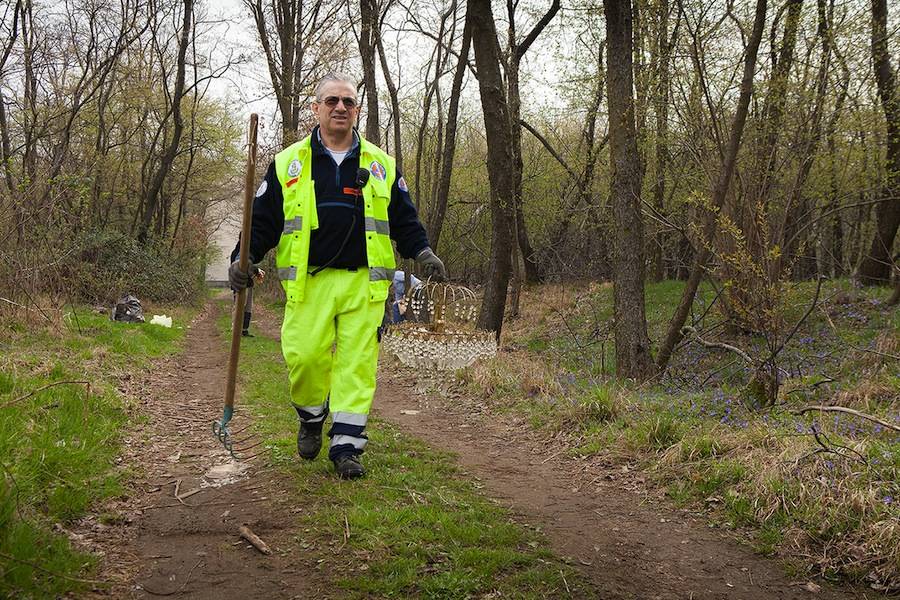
[(128, 309)]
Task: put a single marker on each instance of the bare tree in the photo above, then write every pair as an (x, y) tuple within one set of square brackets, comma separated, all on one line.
[(439, 206), (720, 190), (633, 359), (299, 41), (517, 51), (171, 150), (368, 12), (500, 165), (876, 266)]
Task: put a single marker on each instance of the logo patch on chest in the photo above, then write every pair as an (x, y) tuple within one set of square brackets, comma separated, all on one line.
[(377, 170), (294, 168)]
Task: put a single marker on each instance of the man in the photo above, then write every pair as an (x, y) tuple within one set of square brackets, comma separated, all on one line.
[(331, 204), (398, 306)]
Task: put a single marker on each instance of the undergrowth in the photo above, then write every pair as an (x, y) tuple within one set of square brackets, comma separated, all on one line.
[(821, 487)]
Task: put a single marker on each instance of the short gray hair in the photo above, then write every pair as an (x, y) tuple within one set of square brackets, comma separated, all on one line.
[(333, 76)]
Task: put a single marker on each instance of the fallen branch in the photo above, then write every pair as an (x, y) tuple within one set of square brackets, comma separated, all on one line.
[(721, 345), (42, 388), (254, 539), (850, 411)]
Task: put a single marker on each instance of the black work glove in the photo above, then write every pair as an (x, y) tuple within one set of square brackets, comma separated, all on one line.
[(238, 279), (432, 265)]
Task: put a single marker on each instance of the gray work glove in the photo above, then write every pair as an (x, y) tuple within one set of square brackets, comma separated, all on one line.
[(238, 279), (432, 265)]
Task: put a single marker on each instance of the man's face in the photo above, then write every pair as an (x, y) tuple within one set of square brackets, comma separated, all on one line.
[(331, 109)]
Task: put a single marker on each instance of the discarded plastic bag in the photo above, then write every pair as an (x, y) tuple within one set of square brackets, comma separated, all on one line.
[(128, 309), (161, 320)]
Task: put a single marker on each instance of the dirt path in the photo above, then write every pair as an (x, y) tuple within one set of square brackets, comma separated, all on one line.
[(594, 513), (190, 547)]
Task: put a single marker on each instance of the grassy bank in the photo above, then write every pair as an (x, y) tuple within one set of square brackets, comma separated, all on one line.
[(61, 420), (413, 527), (819, 488)]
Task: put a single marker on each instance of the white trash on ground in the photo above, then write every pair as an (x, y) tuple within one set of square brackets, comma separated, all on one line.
[(161, 320)]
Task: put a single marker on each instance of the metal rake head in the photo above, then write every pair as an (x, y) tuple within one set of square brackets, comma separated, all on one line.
[(237, 446)]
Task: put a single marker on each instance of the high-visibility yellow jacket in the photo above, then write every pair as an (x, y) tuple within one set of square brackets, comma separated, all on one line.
[(293, 167)]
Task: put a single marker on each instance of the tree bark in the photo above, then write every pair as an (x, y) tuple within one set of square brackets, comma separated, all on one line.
[(500, 164), (439, 210), (633, 359), (517, 52), (368, 10), (720, 190), (392, 92), (168, 157), (875, 268)]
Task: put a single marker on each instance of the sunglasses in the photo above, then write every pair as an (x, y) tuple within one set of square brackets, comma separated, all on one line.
[(332, 101)]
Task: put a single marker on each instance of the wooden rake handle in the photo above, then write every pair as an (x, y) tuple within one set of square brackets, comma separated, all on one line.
[(244, 259)]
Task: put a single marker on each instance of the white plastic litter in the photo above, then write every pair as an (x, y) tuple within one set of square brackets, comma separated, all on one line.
[(161, 320)]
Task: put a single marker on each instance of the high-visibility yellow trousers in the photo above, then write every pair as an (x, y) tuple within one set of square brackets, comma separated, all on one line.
[(330, 344)]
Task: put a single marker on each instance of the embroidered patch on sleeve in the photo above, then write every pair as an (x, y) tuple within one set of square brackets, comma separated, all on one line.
[(377, 170)]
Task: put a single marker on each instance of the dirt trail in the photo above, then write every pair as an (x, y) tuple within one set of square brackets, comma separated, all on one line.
[(594, 513), (190, 547)]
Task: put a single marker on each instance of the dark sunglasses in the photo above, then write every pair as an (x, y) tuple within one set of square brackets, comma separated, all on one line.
[(332, 101)]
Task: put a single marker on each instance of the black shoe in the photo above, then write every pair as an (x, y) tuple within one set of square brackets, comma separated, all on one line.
[(309, 440), (246, 333), (348, 466)]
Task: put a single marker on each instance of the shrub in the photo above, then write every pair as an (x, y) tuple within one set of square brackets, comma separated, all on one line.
[(108, 264)]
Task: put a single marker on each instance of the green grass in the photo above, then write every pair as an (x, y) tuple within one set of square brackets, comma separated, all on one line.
[(58, 445), (418, 527)]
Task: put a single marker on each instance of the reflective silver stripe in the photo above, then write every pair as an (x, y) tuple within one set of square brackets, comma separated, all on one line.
[(381, 274), (378, 226), (318, 410), (358, 443), (287, 273), (295, 224), (351, 418)]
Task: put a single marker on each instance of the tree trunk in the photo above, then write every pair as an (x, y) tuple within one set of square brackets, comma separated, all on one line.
[(395, 102), (500, 162), (633, 359), (719, 192), (517, 52), (368, 10), (439, 208), (875, 268), (168, 157), (661, 107)]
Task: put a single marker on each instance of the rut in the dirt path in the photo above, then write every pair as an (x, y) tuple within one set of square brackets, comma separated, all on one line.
[(592, 512), (180, 534)]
